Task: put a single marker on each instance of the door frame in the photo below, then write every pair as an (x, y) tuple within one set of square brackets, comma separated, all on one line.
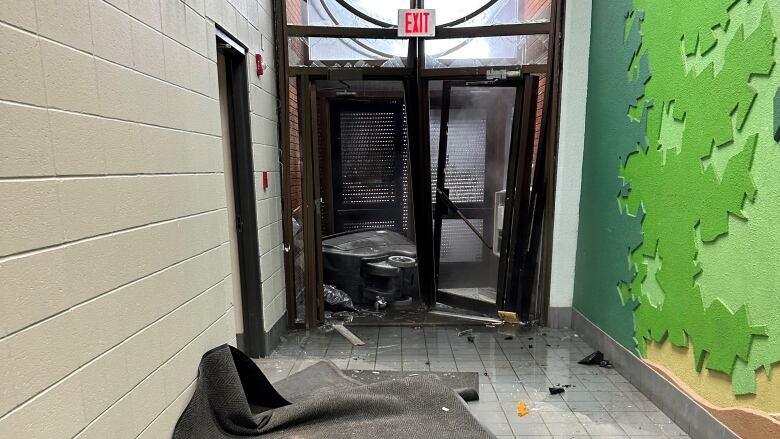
[(237, 84), (415, 77), (523, 116), (517, 206)]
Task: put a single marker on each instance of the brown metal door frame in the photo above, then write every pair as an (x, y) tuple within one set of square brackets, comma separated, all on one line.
[(415, 78), (522, 125), (518, 219), (312, 218)]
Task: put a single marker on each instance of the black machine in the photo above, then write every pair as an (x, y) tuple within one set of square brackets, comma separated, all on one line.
[(371, 264)]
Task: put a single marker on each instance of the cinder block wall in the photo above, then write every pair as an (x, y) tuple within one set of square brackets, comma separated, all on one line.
[(114, 252)]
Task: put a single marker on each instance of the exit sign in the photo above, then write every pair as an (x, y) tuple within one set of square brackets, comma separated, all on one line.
[(416, 22)]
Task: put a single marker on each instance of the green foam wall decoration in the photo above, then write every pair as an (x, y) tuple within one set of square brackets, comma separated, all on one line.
[(672, 137), (681, 197)]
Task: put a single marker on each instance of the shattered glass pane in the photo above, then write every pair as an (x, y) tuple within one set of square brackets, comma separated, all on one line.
[(371, 52), (502, 12), (494, 51)]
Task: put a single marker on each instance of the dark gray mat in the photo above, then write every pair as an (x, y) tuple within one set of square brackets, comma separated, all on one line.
[(321, 375), (466, 384), (325, 374), (234, 399)]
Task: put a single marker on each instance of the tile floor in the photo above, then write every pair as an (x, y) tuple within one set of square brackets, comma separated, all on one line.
[(600, 403)]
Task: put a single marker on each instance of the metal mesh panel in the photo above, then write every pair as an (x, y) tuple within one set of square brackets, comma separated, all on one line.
[(405, 176), (362, 225), (466, 145), (458, 241), (370, 164), (368, 157)]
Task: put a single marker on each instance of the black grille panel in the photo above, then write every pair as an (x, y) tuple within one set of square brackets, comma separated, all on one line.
[(368, 157), (369, 144), (466, 144)]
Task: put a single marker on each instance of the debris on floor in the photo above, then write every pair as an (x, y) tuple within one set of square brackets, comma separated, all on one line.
[(354, 339), (326, 327), (482, 319), (341, 316), (592, 359), (596, 358), (445, 409), (470, 338), (522, 410), (556, 390), (508, 317), (465, 332), (380, 303), (508, 337), (337, 300), (560, 360)]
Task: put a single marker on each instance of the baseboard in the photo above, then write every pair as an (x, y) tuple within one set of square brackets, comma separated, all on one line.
[(241, 342), (274, 336), (559, 317), (684, 411)]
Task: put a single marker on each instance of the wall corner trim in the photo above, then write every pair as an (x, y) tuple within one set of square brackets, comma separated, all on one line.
[(571, 145), (559, 317), (273, 336)]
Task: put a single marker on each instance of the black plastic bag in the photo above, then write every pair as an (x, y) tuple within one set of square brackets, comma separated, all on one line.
[(337, 300)]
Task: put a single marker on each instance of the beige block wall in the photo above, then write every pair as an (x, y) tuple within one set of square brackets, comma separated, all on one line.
[(115, 271)]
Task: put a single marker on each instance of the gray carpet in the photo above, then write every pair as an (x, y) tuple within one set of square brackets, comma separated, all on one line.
[(325, 374), (234, 399), (465, 384)]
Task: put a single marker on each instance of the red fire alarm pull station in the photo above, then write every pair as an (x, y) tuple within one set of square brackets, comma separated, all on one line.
[(259, 63), (265, 180), (416, 22)]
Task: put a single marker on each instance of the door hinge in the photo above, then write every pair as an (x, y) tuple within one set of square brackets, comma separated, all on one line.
[(239, 224)]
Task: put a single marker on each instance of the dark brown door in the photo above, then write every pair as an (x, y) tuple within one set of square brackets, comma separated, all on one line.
[(478, 166)]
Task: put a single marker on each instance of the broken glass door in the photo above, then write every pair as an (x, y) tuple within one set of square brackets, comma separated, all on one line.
[(471, 138)]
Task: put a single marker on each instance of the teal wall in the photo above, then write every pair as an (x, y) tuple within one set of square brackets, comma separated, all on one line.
[(607, 232)]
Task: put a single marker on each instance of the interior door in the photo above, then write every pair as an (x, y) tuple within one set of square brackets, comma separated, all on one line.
[(480, 161)]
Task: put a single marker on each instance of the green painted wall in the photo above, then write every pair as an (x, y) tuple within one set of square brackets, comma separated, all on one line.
[(679, 235), (606, 231)]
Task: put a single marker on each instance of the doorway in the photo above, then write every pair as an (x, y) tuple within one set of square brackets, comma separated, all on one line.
[(428, 149), (240, 193), (363, 227)]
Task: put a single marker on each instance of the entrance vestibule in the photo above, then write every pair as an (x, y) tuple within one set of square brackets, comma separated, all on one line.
[(417, 168)]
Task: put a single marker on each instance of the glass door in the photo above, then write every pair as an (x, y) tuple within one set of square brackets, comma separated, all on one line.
[(474, 133)]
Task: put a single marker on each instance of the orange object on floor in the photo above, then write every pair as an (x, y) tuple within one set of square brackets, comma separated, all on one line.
[(522, 410)]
